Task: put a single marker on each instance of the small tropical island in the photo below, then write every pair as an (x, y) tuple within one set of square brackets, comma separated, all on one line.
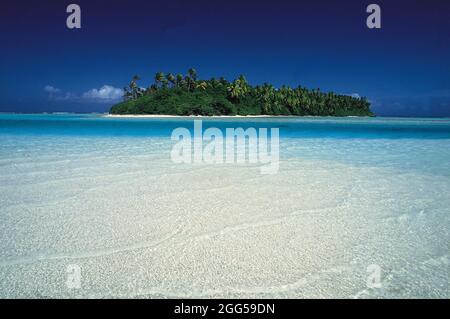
[(187, 95)]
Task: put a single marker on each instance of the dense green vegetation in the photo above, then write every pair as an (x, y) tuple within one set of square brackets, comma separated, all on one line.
[(188, 95)]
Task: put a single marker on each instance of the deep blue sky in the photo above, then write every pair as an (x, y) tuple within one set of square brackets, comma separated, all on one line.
[(403, 68)]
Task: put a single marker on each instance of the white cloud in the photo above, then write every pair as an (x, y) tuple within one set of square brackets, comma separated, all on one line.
[(51, 89), (355, 95), (55, 94), (105, 93)]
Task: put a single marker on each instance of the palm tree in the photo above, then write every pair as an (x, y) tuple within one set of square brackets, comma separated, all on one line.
[(165, 83), (134, 89), (159, 76), (171, 78), (192, 74), (179, 80), (214, 83), (202, 85), (243, 81), (238, 88), (265, 95), (223, 81), (234, 91), (151, 89), (126, 94), (188, 83)]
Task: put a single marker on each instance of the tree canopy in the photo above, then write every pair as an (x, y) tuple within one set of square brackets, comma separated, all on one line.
[(188, 95)]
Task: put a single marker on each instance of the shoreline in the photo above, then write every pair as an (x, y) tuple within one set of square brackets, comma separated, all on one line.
[(221, 116), (187, 116), (107, 115)]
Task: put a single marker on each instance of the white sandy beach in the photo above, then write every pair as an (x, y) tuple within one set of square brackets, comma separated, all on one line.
[(181, 116)]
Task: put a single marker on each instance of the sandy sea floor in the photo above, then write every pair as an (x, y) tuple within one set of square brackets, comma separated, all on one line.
[(138, 225)]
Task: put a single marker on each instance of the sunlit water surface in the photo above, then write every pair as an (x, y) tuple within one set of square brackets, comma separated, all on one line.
[(104, 195)]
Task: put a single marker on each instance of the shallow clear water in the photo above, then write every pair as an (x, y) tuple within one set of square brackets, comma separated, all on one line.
[(103, 194)]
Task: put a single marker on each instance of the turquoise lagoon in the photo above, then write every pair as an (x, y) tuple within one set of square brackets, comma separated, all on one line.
[(102, 193)]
